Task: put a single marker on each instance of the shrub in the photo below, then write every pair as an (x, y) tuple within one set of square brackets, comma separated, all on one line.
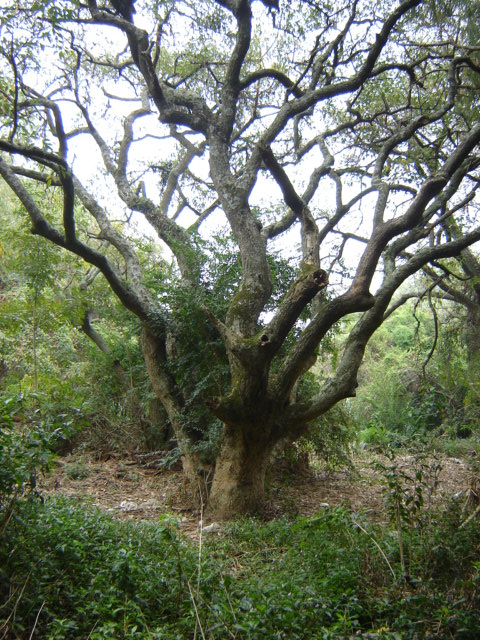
[(91, 576), (26, 447), (74, 573)]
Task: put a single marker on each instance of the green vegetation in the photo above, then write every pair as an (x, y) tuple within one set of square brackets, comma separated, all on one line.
[(48, 361), (26, 448), (405, 395), (333, 148), (70, 572), (239, 240)]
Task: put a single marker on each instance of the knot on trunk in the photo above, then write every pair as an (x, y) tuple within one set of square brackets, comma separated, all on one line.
[(212, 403), (320, 277)]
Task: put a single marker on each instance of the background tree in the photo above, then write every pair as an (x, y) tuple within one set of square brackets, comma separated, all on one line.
[(459, 282), (50, 303), (418, 381), (345, 132)]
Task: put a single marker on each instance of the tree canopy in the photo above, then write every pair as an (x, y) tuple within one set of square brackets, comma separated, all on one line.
[(343, 135)]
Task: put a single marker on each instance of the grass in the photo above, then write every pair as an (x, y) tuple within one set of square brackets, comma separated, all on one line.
[(72, 572)]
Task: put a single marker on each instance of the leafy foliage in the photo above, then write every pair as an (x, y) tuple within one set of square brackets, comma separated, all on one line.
[(396, 402), (79, 574), (346, 130), (27, 443), (44, 296)]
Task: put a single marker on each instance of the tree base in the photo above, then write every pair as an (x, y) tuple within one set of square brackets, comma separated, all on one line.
[(238, 486)]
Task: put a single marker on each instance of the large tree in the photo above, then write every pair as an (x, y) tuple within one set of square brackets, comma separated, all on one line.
[(342, 131)]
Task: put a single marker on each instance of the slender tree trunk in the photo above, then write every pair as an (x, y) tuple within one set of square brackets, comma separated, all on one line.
[(238, 486), (34, 339), (157, 428), (169, 394), (473, 337)]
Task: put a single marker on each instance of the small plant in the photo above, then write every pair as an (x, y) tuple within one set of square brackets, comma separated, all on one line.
[(407, 492), (96, 577), (26, 448), (77, 470)]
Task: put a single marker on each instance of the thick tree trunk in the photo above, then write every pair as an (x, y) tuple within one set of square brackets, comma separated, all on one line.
[(238, 486)]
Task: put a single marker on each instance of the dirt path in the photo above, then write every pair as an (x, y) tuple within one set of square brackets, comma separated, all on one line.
[(127, 488)]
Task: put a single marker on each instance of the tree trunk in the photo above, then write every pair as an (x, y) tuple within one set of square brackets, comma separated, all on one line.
[(472, 337), (238, 486), (165, 388), (196, 471), (156, 427)]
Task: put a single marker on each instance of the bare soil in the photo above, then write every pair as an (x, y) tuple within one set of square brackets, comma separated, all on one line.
[(131, 487)]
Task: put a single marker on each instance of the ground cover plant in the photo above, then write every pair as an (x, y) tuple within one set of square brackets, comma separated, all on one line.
[(344, 135), (69, 571)]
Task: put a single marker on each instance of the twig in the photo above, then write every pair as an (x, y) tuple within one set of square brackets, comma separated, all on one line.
[(9, 510), (231, 607), (92, 629), (199, 567), (398, 521), (13, 611), (470, 517), (36, 619), (378, 547), (197, 617), (200, 542)]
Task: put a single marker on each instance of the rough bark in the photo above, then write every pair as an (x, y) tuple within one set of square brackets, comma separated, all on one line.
[(238, 486), (166, 390)]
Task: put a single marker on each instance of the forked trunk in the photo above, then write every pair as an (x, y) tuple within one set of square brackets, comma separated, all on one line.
[(238, 486)]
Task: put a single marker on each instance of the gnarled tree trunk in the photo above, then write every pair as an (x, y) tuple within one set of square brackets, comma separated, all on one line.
[(238, 486)]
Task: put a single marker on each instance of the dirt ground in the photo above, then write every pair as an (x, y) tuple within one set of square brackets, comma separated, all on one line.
[(132, 487)]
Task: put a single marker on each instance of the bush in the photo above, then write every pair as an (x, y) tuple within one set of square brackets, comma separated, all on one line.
[(71, 572), (26, 448), (86, 575)]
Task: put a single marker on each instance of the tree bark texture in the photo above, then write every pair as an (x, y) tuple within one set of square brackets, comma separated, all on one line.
[(238, 486)]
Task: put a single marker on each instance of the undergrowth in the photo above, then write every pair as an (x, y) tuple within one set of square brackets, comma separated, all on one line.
[(72, 572)]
